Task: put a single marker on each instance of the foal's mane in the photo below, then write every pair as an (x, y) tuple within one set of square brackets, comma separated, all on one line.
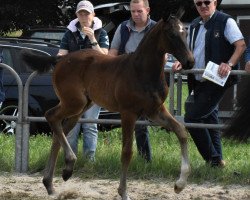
[(150, 33)]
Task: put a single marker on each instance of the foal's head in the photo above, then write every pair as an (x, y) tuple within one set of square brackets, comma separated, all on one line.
[(174, 37)]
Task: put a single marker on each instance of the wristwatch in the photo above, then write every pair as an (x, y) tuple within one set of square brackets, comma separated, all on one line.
[(230, 64), (94, 43)]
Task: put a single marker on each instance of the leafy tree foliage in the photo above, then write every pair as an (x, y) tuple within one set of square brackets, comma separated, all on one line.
[(21, 14)]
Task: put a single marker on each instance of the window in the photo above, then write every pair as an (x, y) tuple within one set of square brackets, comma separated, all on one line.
[(6, 56)]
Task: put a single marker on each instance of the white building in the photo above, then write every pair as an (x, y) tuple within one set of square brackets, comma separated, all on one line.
[(232, 3)]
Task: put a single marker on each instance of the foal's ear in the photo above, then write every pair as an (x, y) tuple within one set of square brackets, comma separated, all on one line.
[(180, 13), (166, 15), (174, 9)]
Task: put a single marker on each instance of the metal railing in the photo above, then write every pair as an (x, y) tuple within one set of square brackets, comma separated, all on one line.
[(18, 119)]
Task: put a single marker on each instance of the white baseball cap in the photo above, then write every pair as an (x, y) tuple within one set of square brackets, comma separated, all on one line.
[(85, 5)]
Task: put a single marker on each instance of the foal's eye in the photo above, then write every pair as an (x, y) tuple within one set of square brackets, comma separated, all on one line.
[(172, 34)]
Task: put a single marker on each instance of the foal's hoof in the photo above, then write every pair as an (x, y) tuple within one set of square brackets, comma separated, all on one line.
[(126, 197), (177, 190), (50, 189), (123, 194), (68, 171), (179, 186), (67, 174)]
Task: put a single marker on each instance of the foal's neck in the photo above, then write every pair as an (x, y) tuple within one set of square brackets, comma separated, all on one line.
[(151, 52)]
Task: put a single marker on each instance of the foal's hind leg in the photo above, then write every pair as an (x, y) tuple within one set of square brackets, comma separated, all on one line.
[(49, 171), (128, 125), (165, 119), (68, 124), (58, 140), (55, 117)]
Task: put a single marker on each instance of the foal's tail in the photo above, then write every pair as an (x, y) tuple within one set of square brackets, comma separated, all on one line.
[(38, 62), (239, 126)]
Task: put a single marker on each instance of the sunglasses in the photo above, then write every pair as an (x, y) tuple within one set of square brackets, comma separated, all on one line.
[(199, 3)]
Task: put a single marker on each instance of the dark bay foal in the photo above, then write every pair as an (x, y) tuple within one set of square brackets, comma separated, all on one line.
[(133, 85)]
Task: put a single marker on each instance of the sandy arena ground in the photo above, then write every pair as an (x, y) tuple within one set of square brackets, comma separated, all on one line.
[(16, 186)]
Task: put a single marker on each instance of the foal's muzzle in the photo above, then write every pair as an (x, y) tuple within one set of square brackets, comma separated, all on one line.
[(189, 64)]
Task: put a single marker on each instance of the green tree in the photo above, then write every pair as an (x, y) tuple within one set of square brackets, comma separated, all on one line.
[(21, 14)]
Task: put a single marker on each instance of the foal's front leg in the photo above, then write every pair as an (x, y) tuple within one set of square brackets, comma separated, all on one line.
[(165, 119), (128, 125)]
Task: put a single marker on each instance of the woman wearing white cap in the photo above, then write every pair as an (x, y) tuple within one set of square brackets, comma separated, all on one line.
[(85, 32)]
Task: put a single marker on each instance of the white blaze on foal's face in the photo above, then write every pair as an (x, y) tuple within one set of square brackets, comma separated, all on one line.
[(181, 28)]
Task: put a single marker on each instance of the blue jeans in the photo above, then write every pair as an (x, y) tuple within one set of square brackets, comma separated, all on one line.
[(90, 134), (203, 108), (142, 141)]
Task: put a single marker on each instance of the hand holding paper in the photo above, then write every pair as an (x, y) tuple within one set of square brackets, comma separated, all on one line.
[(211, 74)]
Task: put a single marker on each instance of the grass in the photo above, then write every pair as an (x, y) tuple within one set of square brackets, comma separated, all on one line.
[(14, 34), (184, 96), (165, 165)]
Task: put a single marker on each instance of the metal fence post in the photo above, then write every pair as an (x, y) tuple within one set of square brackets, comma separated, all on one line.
[(18, 139), (26, 124), (171, 93), (179, 95)]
